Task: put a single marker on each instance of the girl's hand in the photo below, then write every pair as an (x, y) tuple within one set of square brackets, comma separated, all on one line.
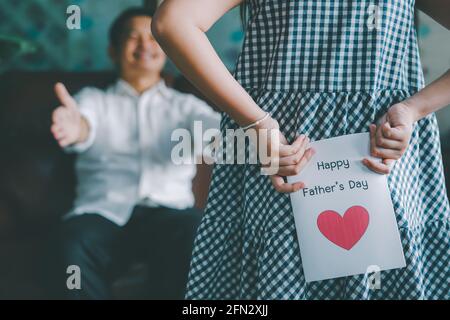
[(287, 160), (390, 138)]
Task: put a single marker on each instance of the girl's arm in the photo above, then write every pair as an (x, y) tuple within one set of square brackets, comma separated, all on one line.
[(180, 26), (433, 97), (390, 138), (436, 95)]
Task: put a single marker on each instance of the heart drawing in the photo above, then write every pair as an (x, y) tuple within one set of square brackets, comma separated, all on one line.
[(344, 231)]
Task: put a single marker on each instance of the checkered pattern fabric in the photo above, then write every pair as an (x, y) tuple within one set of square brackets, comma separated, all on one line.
[(318, 68)]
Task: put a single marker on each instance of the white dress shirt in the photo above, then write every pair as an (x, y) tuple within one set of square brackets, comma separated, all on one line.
[(126, 159)]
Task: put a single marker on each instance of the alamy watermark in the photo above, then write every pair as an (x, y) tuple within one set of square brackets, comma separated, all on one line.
[(373, 21), (373, 277), (73, 21), (73, 281), (235, 147)]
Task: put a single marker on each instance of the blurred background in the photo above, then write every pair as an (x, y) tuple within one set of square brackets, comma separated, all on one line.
[(43, 24), (36, 178), (37, 181)]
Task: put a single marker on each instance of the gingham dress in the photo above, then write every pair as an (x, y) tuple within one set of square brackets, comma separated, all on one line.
[(324, 68)]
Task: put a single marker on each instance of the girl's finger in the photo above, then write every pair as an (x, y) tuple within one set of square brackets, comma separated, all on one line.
[(292, 170), (389, 144), (379, 132), (386, 133), (376, 166), (289, 150), (394, 133), (281, 186), (372, 129), (299, 141), (292, 160), (389, 162), (385, 130), (384, 153), (295, 158)]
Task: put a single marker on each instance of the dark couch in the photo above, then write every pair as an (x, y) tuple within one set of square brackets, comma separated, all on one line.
[(37, 179)]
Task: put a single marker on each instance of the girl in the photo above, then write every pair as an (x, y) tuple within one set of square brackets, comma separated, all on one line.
[(323, 68)]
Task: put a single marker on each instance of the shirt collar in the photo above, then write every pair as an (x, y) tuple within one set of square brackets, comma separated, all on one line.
[(124, 87)]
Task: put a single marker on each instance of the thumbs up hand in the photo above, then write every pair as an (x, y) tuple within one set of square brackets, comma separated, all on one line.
[(68, 125)]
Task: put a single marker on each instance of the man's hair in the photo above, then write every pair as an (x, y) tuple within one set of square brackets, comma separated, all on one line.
[(119, 25)]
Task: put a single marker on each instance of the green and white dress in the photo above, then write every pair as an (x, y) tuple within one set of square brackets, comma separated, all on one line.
[(324, 68)]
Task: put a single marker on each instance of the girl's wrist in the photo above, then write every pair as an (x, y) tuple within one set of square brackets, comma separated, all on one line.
[(267, 123), (257, 122), (414, 107), (251, 117), (259, 119)]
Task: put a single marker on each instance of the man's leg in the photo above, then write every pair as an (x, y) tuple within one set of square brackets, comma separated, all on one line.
[(166, 239), (88, 242)]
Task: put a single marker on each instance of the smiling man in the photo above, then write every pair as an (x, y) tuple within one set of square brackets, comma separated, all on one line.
[(132, 201)]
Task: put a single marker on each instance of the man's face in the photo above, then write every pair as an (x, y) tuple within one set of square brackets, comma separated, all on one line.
[(139, 51)]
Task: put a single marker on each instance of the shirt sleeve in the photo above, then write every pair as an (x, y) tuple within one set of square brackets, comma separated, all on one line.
[(201, 117), (87, 100)]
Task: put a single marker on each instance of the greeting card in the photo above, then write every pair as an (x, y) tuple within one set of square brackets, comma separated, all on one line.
[(344, 216)]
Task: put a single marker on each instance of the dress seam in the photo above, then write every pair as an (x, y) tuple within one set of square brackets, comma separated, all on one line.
[(370, 92)]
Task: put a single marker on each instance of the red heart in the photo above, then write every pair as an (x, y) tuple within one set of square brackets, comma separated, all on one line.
[(344, 231)]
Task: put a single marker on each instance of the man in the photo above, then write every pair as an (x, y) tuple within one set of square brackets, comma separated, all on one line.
[(132, 200)]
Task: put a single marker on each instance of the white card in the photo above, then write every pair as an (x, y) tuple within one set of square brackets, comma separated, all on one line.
[(344, 217)]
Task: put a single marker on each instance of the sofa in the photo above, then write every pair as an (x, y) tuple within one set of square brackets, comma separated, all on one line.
[(37, 181)]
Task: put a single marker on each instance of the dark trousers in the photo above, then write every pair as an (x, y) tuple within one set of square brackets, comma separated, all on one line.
[(162, 237)]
